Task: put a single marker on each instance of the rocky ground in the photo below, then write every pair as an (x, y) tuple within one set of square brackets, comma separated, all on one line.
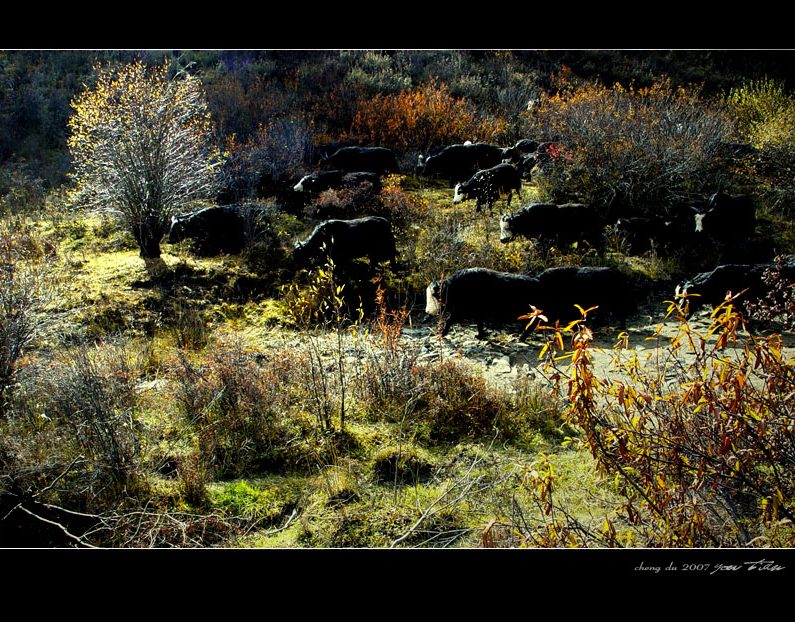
[(503, 358)]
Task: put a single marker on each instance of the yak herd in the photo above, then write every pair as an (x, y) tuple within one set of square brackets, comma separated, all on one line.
[(485, 173)]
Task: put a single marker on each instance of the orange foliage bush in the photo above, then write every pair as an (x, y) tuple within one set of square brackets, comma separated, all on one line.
[(422, 117)]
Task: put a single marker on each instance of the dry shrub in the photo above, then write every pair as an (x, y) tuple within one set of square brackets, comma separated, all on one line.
[(321, 299), (377, 72), (20, 191), (258, 166), (443, 400), (420, 118), (188, 328), (90, 392), (152, 529), (73, 444), (26, 288), (20, 240), (399, 207), (263, 254), (240, 407), (343, 203), (540, 409), (779, 301), (238, 102), (457, 402), (639, 148), (443, 243), (194, 475), (386, 383)]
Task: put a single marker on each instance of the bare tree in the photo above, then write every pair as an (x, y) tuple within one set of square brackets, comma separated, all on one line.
[(142, 147)]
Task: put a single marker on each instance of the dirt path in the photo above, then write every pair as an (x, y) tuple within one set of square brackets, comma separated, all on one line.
[(503, 358)]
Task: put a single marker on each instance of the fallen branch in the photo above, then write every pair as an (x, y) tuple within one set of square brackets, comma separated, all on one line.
[(56, 524), (432, 509)]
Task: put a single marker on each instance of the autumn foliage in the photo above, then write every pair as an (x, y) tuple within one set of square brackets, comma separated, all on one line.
[(142, 148), (421, 117), (765, 114), (698, 445), (640, 148)]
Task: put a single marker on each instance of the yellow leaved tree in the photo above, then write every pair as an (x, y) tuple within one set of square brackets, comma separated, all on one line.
[(142, 145)]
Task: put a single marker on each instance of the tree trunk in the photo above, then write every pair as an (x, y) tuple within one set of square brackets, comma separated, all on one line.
[(148, 238), (150, 247)]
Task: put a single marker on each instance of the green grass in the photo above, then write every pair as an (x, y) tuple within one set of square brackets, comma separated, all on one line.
[(384, 481)]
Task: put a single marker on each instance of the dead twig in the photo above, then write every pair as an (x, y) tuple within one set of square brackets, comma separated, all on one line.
[(66, 532)]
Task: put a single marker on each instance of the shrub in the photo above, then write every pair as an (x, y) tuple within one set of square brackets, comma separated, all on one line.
[(258, 166), (26, 287), (759, 108), (443, 243), (386, 384), (457, 402), (188, 328), (779, 301), (20, 191), (765, 115), (193, 477), (421, 118), (131, 114), (239, 408), (320, 301), (377, 73), (441, 400), (699, 445), (265, 226), (640, 149), (90, 392), (343, 203), (340, 485), (399, 207), (239, 102), (539, 409)]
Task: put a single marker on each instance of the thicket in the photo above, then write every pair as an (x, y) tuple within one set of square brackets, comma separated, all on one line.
[(417, 120), (636, 150), (247, 89), (27, 285), (699, 444), (765, 114)]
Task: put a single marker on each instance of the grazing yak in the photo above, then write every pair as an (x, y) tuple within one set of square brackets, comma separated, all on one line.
[(459, 162), (710, 288), (487, 185), (606, 288), (214, 230), (640, 234), (480, 295), (342, 241), (378, 160), (727, 217), (315, 183), (224, 229), (520, 150), (556, 224)]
